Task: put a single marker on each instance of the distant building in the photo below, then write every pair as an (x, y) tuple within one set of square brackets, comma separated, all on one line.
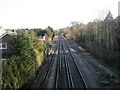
[(42, 38)]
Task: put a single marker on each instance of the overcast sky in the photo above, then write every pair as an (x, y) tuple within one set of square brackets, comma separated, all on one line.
[(54, 13)]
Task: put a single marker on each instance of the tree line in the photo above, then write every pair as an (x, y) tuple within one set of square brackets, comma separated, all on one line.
[(100, 37)]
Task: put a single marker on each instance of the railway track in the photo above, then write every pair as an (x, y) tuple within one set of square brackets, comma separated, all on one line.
[(68, 73), (74, 65), (62, 70), (64, 79), (50, 70)]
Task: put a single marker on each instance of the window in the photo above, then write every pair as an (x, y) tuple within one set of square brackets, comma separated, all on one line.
[(3, 45)]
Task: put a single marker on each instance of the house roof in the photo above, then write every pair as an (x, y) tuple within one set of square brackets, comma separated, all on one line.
[(6, 34), (2, 31)]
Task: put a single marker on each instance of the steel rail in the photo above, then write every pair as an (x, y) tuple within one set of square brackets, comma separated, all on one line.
[(86, 86), (58, 65), (67, 67), (47, 72), (68, 71)]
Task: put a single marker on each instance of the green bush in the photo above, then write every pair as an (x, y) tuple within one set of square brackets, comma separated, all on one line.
[(27, 54)]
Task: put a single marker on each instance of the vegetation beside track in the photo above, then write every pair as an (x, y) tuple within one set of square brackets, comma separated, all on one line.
[(26, 56), (100, 37)]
